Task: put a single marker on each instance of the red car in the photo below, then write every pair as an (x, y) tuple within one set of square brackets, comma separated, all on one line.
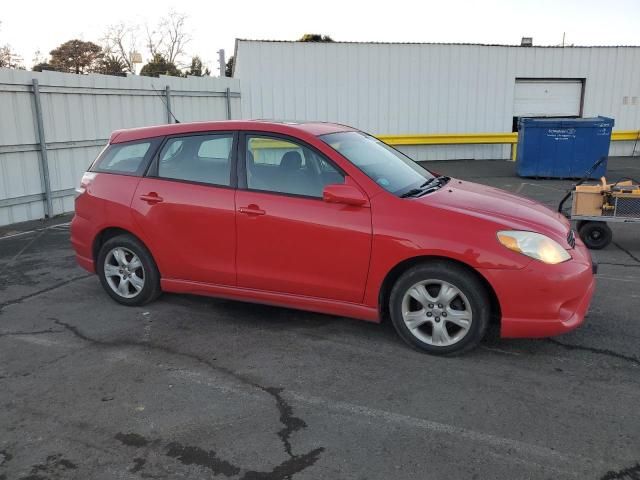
[(323, 217)]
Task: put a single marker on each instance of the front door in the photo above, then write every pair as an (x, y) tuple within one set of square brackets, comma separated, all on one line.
[(289, 239)]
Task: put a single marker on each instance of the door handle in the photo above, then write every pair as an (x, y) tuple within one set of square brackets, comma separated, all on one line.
[(251, 210), (151, 198)]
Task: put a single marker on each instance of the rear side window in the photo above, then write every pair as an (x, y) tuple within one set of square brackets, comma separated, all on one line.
[(129, 158)]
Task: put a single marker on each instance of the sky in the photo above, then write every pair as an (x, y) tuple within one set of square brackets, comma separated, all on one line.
[(43, 25)]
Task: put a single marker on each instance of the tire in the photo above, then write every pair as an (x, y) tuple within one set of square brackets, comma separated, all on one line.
[(453, 294), (126, 280), (595, 235)]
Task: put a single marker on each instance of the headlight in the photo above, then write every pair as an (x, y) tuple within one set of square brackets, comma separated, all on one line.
[(534, 245)]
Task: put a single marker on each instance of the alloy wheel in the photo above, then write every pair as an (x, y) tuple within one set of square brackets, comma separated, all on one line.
[(436, 312), (124, 272)]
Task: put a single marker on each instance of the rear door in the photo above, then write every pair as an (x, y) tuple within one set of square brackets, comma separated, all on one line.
[(289, 239), (115, 175), (186, 207)]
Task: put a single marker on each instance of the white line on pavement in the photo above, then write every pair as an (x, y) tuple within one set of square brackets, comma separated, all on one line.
[(56, 226)]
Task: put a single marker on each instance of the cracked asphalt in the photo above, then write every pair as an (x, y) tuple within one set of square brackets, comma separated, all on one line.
[(192, 387)]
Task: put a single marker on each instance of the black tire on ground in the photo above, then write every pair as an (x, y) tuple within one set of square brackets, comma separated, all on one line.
[(151, 289), (595, 235), (466, 282)]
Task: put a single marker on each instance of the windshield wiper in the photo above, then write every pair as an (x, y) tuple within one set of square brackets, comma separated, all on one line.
[(412, 193), (429, 186), (441, 180), (429, 182)]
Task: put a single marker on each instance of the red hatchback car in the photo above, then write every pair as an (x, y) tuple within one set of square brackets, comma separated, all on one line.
[(323, 217)]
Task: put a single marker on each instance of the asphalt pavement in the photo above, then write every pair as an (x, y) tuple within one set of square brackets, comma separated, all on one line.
[(194, 387)]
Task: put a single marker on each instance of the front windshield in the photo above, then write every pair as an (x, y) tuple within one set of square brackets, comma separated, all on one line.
[(392, 170)]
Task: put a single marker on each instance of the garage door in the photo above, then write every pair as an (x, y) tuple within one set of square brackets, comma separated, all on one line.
[(547, 98)]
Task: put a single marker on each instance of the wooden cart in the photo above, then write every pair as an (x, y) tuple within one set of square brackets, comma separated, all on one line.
[(594, 206)]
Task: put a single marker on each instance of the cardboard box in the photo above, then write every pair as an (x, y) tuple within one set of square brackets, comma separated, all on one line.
[(587, 201)]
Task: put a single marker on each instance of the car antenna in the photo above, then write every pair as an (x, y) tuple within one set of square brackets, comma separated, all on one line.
[(159, 92)]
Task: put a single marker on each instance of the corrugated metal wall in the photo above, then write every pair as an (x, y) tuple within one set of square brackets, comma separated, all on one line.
[(428, 88), (79, 113)]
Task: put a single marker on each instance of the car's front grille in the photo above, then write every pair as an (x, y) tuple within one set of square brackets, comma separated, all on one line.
[(571, 239)]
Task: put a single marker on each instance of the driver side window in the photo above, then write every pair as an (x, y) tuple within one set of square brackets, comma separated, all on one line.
[(278, 165)]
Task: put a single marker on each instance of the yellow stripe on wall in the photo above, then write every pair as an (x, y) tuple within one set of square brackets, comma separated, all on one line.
[(483, 138), (449, 138), (480, 138)]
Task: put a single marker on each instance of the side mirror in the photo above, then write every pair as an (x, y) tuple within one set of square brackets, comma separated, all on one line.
[(345, 194)]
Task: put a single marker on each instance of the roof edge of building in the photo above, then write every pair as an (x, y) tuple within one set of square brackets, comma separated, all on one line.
[(253, 40)]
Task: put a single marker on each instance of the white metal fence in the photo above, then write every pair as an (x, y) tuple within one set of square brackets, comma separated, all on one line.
[(52, 125)]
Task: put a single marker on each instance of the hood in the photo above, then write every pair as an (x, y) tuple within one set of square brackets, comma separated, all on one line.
[(506, 209)]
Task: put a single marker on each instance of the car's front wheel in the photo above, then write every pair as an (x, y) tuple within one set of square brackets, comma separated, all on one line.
[(127, 271), (440, 307)]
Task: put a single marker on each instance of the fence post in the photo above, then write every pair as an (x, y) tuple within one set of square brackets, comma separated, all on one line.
[(167, 94), (228, 97), (44, 160)]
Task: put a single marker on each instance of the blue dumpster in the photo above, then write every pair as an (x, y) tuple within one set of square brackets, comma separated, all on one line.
[(562, 147)]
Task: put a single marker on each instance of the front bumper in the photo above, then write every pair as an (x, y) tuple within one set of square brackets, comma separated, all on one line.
[(544, 300)]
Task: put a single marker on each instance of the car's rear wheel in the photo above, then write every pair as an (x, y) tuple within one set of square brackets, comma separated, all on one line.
[(127, 271), (440, 307)]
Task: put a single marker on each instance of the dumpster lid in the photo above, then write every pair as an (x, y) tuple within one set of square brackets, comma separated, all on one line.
[(554, 122)]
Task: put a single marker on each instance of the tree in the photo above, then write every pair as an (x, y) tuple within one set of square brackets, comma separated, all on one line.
[(42, 66), (228, 70), (76, 56), (160, 66), (169, 38), (315, 37), (40, 62), (8, 58), (38, 58), (196, 68), (112, 65), (119, 41)]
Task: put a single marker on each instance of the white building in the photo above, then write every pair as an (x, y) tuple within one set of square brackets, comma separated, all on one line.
[(400, 88)]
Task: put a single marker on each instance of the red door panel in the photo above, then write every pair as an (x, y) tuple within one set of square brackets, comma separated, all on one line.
[(191, 229), (302, 246)]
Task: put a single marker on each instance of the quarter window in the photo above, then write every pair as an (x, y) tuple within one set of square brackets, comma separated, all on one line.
[(125, 158), (278, 165), (198, 158)]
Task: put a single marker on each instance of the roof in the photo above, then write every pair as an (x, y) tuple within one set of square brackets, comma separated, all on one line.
[(434, 43), (270, 126)]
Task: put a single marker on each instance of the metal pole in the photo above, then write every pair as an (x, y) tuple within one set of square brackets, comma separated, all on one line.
[(167, 93), (228, 97), (44, 161), (222, 64)]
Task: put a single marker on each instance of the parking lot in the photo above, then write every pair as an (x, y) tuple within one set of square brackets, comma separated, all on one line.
[(193, 387)]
